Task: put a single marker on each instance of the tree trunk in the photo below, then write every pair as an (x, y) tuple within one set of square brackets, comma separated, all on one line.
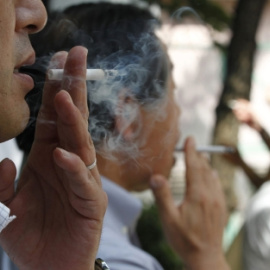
[(237, 84)]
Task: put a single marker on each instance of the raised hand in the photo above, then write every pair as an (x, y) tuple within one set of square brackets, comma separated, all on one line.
[(244, 112), (195, 227), (59, 203)]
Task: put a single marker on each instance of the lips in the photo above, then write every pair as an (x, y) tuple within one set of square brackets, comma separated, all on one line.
[(27, 61), (25, 81)]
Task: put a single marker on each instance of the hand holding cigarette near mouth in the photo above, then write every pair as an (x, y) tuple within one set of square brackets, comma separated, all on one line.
[(91, 74), (61, 171), (200, 219)]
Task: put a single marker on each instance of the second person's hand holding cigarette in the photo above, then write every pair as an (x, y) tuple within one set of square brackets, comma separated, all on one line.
[(195, 227)]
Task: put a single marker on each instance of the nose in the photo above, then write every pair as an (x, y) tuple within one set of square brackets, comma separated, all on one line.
[(31, 16)]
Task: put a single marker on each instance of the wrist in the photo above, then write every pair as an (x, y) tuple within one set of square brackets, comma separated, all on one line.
[(208, 262)]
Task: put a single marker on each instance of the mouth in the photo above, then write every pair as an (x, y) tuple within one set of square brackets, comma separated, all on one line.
[(29, 60), (25, 80)]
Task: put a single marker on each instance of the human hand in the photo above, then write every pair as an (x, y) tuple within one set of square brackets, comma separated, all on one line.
[(244, 113), (195, 227), (59, 203)]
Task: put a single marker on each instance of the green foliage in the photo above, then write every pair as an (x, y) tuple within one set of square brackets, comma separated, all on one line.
[(152, 239)]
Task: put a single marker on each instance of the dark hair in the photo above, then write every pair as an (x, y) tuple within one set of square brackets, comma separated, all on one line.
[(118, 36)]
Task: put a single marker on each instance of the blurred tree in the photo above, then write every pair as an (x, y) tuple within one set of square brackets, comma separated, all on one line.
[(237, 84)]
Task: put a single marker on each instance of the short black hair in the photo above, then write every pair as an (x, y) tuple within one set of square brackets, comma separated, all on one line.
[(118, 36)]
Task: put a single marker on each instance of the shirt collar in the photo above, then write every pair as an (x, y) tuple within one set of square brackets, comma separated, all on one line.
[(123, 207)]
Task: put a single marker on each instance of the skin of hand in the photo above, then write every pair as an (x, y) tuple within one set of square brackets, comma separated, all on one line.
[(59, 203), (235, 158), (245, 114), (195, 227)]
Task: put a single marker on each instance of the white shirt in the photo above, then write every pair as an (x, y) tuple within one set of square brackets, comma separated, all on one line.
[(256, 242), (119, 245)]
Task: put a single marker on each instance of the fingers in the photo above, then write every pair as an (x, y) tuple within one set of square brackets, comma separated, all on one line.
[(72, 109), (52, 87), (64, 114), (82, 188), (203, 188), (164, 200), (73, 130), (74, 65), (201, 180), (195, 165), (46, 120), (8, 174), (75, 78)]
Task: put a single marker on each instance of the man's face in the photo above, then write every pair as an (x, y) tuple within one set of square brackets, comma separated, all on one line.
[(18, 19), (160, 133), (163, 136)]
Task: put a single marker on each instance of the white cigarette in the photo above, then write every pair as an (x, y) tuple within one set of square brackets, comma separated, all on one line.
[(91, 74), (210, 149)]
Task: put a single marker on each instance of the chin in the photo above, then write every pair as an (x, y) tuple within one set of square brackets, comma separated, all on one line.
[(21, 123), (140, 188)]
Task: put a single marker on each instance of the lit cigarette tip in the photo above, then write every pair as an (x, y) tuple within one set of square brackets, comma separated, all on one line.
[(91, 74), (210, 149)]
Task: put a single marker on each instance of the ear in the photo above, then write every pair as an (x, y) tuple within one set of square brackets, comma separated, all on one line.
[(127, 116)]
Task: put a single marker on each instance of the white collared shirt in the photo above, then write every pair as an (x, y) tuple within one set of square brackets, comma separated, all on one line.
[(119, 245)]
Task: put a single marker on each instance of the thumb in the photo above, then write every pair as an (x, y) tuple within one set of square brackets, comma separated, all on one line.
[(8, 174), (162, 193)]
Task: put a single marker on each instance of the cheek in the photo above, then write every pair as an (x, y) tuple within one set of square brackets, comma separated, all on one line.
[(6, 69), (14, 117), (7, 32), (172, 124)]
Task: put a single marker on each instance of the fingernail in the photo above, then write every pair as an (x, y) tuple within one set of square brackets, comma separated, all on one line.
[(86, 50), (57, 59), (64, 153), (191, 142), (156, 182), (67, 96)]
